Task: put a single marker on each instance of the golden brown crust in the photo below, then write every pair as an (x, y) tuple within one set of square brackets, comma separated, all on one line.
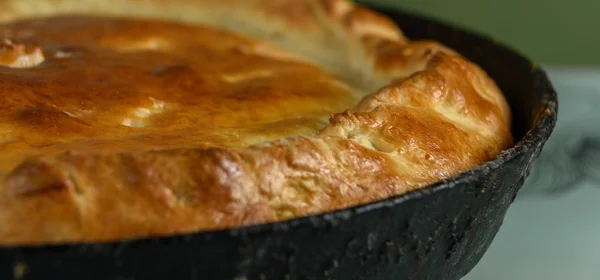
[(124, 195), (426, 114), (137, 85)]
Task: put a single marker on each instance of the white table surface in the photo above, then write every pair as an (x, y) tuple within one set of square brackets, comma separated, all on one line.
[(552, 231)]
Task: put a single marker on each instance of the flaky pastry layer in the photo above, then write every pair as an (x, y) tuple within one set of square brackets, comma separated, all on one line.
[(423, 113)]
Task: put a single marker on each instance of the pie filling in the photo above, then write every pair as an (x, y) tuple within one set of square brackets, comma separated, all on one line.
[(72, 83)]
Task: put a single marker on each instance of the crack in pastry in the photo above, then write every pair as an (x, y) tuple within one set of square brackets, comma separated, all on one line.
[(139, 116), (18, 55), (163, 117)]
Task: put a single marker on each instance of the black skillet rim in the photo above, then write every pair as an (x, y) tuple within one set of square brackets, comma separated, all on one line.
[(536, 136)]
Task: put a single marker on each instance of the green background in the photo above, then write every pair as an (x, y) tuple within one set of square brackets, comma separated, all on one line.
[(547, 31)]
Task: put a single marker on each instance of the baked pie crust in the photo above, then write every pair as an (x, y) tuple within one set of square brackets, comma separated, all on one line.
[(133, 118)]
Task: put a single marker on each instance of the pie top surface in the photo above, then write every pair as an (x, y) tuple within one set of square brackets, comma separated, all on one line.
[(133, 118), (115, 85)]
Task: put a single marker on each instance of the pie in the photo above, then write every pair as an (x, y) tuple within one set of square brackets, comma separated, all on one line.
[(124, 119)]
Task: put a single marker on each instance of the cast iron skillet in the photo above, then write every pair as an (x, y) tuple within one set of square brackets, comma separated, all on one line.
[(438, 233)]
